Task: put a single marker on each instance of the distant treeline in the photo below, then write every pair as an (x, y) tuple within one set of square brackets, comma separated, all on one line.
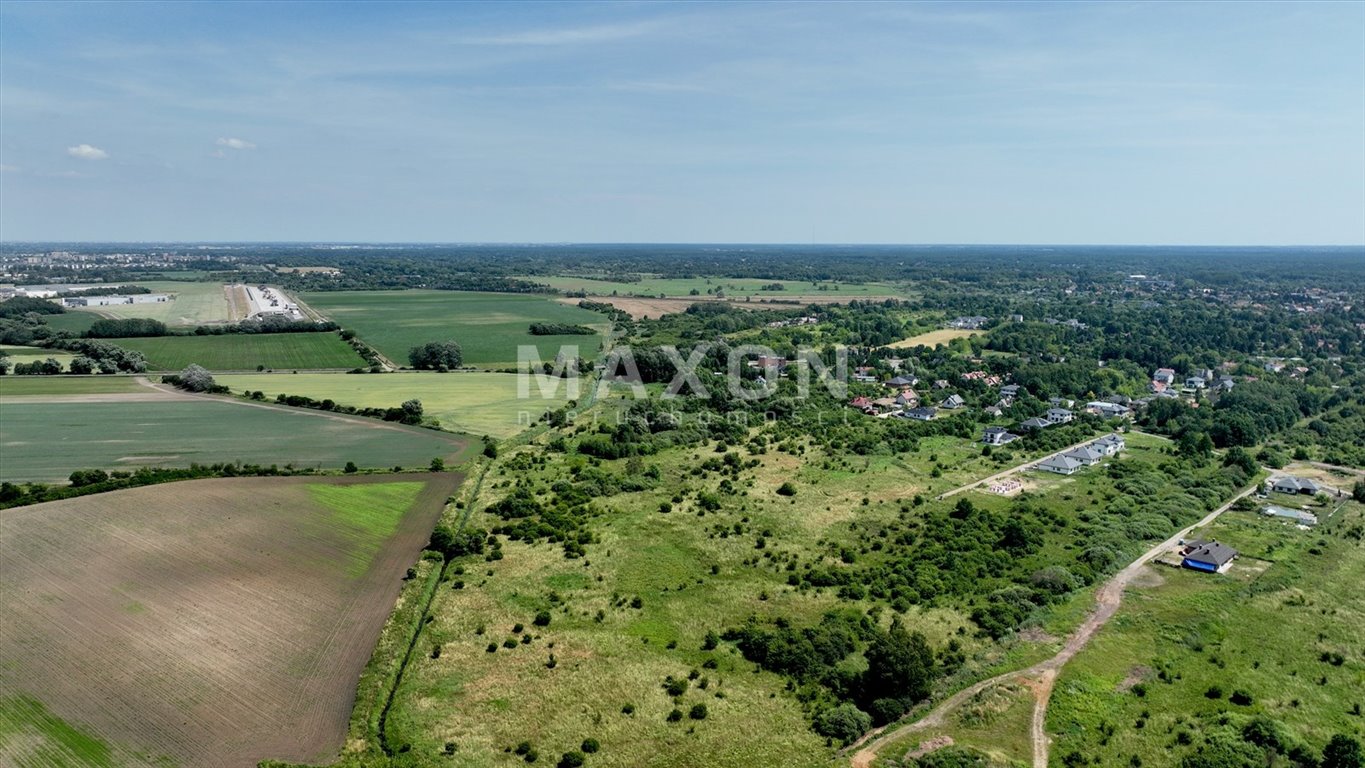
[(560, 329), (135, 327), (22, 305), (410, 412)]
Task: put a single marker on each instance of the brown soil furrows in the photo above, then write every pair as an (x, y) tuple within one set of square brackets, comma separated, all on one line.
[(1041, 676), (212, 622)]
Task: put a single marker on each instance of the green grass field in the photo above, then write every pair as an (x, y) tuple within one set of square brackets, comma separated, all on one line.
[(18, 386), (731, 286), (127, 435), (193, 304), (54, 741), (71, 320), (479, 403), (488, 326), (1141, 687), (34, 354), (366, 515), (244, 352)]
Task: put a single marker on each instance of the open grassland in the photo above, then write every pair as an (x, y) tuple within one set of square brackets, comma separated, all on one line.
[(488, 326), (1269, 628), (16, 354), (480, 403), (56, 386), (44, 439), (213, 622), (73, 321), (707, 286), (191, 304), (246, 351), (936, 338)]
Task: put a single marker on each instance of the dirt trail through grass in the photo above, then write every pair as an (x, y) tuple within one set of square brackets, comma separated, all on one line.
[(1041, 676)]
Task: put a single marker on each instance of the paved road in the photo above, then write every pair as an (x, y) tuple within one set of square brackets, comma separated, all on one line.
[(1041, 676)]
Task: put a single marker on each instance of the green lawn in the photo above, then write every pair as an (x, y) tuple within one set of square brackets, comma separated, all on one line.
[(12, 386), (480, 403), (244, 352), (488, 326), (17, 354), (366, 515), (192, 304), (731, 286), (127, 435), (73, 321), (1262, 629)]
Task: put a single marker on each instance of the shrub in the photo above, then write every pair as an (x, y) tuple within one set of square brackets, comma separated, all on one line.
[(674, 716), (845, 723), (542, 619), (590, 745), (786, 489), (571, 760), (1214, 692), (697, 712), (1240, 698)]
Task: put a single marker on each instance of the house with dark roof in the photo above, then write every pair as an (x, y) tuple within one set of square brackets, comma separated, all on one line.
[(1291, 484), (1087, 455), (1059, 415), (1036, 423), (1110, 445), (998, 436), (920, 414), (1208, 556)]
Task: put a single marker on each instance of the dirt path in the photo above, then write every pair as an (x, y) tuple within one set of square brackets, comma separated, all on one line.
[(1043, 675)]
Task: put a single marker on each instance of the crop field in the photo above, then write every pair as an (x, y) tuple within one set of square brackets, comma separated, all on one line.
[(53, 386), (71, 320), (45, 439), (246, 351), (480, 403), (204, 623), (1267, 628), (193, 304), (730, 286), (936, 338), (488, 326)]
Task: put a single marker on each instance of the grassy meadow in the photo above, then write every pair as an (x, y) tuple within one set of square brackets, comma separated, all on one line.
[(53, 386), (17, 354), (191, 304), (171, 433), (479, 403), (1144, 687), (940, 337), (488, 326), (246, 351)]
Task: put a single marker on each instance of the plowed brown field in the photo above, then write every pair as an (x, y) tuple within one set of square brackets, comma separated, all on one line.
[(212, 622)]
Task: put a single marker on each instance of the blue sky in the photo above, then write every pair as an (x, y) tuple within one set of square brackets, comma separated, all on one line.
[(1220, 123)]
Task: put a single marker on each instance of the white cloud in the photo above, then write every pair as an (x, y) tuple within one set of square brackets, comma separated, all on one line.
[(603, 33), (235, 144), (87, 152)]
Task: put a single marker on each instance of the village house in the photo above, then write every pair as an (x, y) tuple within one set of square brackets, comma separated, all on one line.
[(1208, 556), (953, 402), (1036, 423), (1059, 464), (1060, 402), (1110, 445), (902, 381), (919, 414), (998, 436), (1195, 382), (884, 404), (1059, 415), (1291, 484), (907, 398), (1107, 410), (1011, 391), (1164, 376), (1087, 455)]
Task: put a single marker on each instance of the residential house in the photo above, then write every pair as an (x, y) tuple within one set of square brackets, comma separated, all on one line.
[(1196, 382), (920, 414), (902, 381), (1208, 556), (1087, 455), (940, 383), (884, 404), (1060, 402), (998, 436), (1164, 375), (1291, 484), (907, 398), (1036, 423), (1107, 410), (1059, 415), (953, 402), (1225, 384), (1011, 391), (1060, 464), (1110, 445), (994, 411), (861, 403)]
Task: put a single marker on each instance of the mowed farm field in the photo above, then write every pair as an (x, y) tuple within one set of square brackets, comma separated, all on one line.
[(191, 304), (482, 403), (45, 438), (206, 623), (488, 326), (245, 351), (730, 286)]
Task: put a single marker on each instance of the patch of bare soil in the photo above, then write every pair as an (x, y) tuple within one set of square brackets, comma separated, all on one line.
[(212, 622), (1135, 675), (929, 745)]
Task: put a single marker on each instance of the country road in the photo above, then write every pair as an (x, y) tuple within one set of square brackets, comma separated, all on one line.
[(1043, 675)]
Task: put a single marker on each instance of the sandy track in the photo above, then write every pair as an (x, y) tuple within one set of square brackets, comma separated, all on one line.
[(1043, 675)]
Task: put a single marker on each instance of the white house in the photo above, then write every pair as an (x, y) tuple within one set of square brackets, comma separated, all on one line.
[(1059, 415), (998, 436), (1087, 455), (1062, 465)]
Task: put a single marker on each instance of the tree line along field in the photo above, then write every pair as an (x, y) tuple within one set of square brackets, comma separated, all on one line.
[(488, 326), (192, 304), (207, 623), (731, 286), (246, 351), (480, 403), (45, 439), (1193, 659)]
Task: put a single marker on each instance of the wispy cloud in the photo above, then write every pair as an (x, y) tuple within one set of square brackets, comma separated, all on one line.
[(235, 144), (87, 152), (601, 33)]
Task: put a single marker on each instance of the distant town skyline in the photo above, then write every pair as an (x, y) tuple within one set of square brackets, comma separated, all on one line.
[(1126, 123)]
